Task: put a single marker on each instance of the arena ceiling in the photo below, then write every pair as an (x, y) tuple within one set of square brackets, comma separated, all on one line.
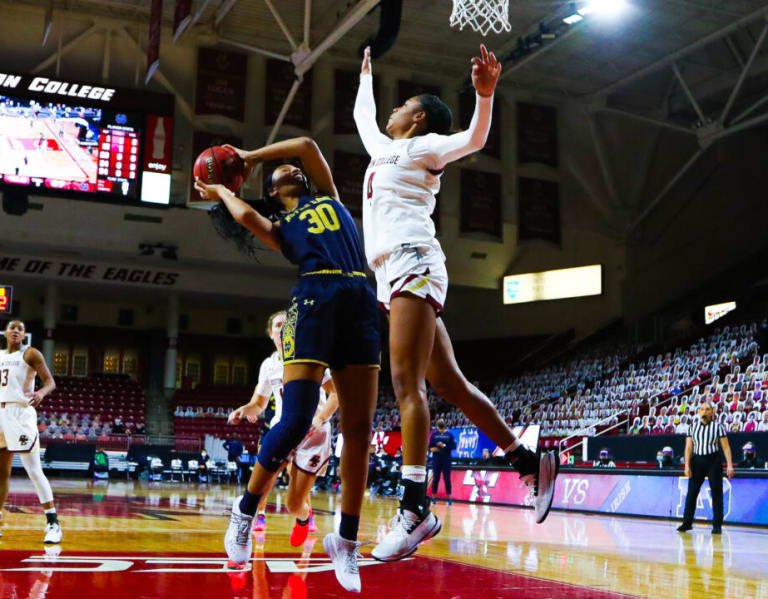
[(673, 61)]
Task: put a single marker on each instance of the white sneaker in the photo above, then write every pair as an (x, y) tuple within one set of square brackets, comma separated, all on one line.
[(406, 531), (344, 555), (53, 533), (237, 540), (541, 486)]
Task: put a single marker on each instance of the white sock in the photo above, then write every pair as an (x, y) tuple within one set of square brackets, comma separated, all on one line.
[(417, 474), (50, 510)]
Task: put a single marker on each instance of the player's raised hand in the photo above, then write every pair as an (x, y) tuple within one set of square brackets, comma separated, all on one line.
[(209, 192), (365, 69), (485, 72), (249, 158)]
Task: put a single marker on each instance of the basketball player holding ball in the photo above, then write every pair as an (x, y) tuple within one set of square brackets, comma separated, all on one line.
[(18, 419), (332, 323), (399, 191)]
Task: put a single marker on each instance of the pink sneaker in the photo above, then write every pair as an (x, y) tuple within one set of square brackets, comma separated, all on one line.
[(260, 523)]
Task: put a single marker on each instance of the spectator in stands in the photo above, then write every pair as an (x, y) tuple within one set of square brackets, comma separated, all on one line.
[(763, 426), (189, 413), (751, 425), (117, 426), (668, 461), (604, 459), (636, 427), (682, 427), (179, 412), (751, 460)]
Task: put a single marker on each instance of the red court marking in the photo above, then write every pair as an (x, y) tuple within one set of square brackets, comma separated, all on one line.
[(148, 575)]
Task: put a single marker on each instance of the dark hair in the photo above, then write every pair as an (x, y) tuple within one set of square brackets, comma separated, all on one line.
[(439, 116)]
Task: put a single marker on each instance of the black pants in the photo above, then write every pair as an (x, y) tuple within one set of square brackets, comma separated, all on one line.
[(711, 467), (445, 470)]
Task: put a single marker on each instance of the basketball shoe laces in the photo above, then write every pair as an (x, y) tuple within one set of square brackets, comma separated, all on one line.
[(402, 526), (531, 481), (350, 561), (243, 529)]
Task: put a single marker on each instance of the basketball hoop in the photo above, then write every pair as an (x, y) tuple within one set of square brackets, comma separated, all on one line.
[(481, 15)]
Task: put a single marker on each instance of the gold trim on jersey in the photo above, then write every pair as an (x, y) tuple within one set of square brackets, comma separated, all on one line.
[(331, 271), (305, 361), (289, 330)]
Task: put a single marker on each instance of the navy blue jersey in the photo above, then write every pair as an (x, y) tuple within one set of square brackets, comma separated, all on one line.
[(319, 235), (443, 454)]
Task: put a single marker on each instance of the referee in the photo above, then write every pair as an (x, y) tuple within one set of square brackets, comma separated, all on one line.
[(704, 460)]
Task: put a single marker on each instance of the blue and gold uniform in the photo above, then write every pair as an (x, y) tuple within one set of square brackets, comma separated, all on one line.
[(333, 315)]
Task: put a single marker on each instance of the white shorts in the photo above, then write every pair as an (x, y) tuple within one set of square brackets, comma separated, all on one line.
[(18, 427), (419, 271), (314, 451)]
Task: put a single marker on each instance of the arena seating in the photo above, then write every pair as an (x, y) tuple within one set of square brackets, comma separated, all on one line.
[(93, 409), (204, 410), (660, 392)]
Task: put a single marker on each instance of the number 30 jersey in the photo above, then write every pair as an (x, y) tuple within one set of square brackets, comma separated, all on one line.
[(321, 237)]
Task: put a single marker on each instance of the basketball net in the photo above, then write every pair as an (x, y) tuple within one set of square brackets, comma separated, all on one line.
[(481, 15)]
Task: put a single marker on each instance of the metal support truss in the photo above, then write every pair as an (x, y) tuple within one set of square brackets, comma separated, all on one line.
[(670, 59), (66, 48), (223, 11), (688, 93), (744, 71)]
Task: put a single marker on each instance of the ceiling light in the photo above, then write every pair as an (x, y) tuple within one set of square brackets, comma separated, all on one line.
[(602, 7), (573, 19)]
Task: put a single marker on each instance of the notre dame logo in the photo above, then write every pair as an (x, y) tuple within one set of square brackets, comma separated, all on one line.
[(23, 440), (314, 462), (289, 330)]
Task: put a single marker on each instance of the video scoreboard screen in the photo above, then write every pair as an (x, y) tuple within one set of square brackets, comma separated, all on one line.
[(6, 299), (78, 140), (563, 283)]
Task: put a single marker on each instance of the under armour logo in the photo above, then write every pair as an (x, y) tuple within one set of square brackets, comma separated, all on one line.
[(308, 302), (23, 440)]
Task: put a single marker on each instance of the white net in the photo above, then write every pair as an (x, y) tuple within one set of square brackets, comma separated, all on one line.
[(481, 15)]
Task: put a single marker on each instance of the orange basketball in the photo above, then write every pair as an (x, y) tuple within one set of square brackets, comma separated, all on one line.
[(220, 165)]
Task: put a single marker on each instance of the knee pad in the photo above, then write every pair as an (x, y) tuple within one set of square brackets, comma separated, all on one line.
[(31, 463), (300, 399)]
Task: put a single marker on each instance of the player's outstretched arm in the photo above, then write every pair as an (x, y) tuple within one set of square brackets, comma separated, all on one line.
[(439, 150), (261, 227), (365, 108), (302, 147), (35, 359)]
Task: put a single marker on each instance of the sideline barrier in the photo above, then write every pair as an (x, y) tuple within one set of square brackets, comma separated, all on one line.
[(651, 494)]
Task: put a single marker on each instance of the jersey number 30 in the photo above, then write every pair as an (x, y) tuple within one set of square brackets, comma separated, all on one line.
[(4, 377), (323, 218)]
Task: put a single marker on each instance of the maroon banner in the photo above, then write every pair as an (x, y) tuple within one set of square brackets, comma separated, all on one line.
[(536, 134), (348, 173), (409, 89), (481, 203), (345, 92), (467, 109), (538, 209), (182, 16), (205, 139), (280, 78), (221, 80), (155, 32)]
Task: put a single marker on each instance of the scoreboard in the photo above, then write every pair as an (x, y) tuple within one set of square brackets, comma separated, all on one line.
[(6, 299)]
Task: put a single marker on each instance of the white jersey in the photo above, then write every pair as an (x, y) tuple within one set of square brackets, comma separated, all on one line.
[(271, 382), (403, 176), (17, 378)]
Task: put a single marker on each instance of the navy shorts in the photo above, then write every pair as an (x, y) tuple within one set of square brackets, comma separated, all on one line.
[(332, 320)]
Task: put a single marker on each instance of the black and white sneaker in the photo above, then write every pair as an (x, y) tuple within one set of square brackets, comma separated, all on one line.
[(541, 484), (237, 540), (406, 531)]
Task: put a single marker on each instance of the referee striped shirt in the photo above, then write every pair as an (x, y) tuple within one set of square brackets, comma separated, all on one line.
[(706, 437)]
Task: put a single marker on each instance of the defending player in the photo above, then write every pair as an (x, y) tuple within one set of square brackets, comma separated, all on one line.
[(411, 280), (18, 420), (315, 449), (332, 323)]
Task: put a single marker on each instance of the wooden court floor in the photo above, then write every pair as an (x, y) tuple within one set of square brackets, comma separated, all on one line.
[(138, 539)]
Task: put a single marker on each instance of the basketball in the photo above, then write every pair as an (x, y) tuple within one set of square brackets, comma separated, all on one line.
[(220, 165)]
